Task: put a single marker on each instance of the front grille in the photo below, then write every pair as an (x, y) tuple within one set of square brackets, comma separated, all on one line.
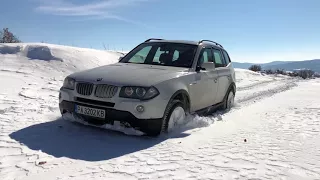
[(105, 91), (85, 89)]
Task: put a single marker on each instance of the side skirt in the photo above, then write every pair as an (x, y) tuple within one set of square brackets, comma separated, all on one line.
[(208, 110)]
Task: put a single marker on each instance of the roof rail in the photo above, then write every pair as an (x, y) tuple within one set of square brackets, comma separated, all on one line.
[(152, 39), (211, 42)]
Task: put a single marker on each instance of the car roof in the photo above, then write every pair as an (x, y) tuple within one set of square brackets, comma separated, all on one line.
[(175, 41), (185, 42)]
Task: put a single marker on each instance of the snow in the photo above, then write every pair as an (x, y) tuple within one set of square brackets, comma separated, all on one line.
[(115, 127), (272, 132)]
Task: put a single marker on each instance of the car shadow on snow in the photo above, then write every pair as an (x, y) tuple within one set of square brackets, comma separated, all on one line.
[(61, 138)]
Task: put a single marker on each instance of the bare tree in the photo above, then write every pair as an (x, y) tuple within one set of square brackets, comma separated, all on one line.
[(269, 71), (281, 71), (7, 37), (304, 73), (255, 68)]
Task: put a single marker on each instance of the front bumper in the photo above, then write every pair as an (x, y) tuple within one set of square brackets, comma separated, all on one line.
[(154, 109), (149, 126)]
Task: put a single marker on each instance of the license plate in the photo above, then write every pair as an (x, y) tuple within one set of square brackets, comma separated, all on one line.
[(88, 111)]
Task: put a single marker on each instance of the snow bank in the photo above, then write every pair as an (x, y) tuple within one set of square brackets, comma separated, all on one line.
[(39, 52), (52, 61), (4, 49)]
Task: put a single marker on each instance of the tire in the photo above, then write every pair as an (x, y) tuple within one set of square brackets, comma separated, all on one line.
[(228, 101), (172, 107), (162, 126)]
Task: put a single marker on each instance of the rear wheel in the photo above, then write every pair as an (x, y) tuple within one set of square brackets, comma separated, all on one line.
[(228, 101)]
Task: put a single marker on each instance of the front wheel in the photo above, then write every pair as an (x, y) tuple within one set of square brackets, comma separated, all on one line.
[(174, 115)]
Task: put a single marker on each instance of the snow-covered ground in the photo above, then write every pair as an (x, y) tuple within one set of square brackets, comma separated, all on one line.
[(273, 131)]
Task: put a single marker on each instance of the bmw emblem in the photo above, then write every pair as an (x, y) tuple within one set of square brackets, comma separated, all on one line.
[(99, 79)]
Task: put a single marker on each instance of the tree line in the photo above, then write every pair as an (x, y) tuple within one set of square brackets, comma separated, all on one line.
[(304, 73)]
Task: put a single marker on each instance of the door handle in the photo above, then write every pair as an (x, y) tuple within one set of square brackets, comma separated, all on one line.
[(215, 80)]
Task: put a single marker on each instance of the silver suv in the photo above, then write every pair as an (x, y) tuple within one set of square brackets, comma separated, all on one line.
[(153, 87)]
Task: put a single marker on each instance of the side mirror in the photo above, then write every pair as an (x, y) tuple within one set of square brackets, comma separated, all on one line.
[(208, 66), (199, 68), (120, 58)]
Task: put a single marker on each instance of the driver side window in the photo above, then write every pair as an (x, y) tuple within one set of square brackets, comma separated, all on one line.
[(205, 56), (219, 61)]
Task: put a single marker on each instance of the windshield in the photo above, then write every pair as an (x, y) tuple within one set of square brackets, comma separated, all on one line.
[(164, 54)]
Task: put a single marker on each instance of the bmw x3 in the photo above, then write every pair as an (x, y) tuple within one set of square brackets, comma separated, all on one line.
[(153, 87)]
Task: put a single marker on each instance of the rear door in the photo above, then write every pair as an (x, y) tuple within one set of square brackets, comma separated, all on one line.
[(203, 89), (224, 78)]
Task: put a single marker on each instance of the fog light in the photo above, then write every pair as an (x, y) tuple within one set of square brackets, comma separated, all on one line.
[(140, 108)]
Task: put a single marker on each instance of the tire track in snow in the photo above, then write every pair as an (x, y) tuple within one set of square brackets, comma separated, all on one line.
[(245, 98), (254, 85)]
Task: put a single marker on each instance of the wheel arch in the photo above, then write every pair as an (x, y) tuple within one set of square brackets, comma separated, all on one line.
[(182, 95), (232, 87)]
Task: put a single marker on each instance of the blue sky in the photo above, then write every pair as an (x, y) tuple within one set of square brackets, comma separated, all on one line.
[(250, 30)]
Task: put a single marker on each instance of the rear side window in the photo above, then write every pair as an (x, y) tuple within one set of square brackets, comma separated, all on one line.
[(218, 59), (226, 57)]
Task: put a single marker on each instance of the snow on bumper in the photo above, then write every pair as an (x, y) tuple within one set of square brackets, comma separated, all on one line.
[(153, 109), (122, 113), (115, 127)]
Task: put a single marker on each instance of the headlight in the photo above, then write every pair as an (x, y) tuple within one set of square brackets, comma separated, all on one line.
[(69, 83), (143, 93)]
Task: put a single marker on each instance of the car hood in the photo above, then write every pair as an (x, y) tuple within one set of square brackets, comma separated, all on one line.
[(123, 74)]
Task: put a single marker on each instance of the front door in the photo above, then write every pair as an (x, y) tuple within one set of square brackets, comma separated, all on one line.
[(224, 75), (203, 88)]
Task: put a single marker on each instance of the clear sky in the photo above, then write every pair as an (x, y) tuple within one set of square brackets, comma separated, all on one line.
[(250, 30)]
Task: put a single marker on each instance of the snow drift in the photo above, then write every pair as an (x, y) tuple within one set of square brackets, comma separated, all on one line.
[(281, 132), (6, 49)]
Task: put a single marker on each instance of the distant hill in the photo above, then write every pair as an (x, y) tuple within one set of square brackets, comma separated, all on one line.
[(241, 65), (275, 63), (310, 64), (286, 65)]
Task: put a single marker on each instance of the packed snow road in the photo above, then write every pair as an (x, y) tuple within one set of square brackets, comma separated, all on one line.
[(272, 132)]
